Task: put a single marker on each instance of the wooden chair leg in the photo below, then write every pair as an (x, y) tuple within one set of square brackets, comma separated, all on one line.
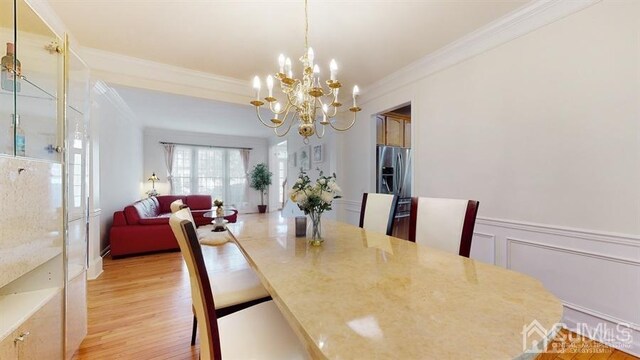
[(194, 331)]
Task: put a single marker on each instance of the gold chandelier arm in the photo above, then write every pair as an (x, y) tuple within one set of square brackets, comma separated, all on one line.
[(264, 123), (348, 127), (288, 128), (335, 111), (290, 99), (315, 124), (287, 109), (274, 111)]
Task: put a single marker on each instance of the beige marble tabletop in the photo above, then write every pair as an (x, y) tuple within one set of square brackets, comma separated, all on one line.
[(367, 295)]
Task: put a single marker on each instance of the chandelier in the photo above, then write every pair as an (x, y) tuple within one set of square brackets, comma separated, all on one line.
[(306, 99)]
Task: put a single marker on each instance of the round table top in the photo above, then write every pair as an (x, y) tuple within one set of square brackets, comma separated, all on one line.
[(225, 212)]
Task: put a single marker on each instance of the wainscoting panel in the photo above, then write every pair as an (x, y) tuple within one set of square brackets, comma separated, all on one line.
[(483, 247), (598, 283), (596, 275)]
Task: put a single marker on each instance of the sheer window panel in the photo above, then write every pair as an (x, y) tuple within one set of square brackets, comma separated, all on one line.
[(181, 176), (211, 171)]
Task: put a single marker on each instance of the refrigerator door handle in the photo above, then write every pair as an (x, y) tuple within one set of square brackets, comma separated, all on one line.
[(402, 174), (406, 172), (398, 171)]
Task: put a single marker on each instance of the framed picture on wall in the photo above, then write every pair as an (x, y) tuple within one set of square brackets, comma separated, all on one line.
[(317, 155), (304, 158)]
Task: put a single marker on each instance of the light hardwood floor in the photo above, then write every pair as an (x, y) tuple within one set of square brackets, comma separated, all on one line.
[(140, 308)]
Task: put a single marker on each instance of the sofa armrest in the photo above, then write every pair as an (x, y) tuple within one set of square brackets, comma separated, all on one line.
[(119, 219), (154, 221)]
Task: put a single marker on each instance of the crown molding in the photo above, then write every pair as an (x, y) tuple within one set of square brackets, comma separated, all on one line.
[(131, 71), (522, 21), (112, 96), (49, 16)]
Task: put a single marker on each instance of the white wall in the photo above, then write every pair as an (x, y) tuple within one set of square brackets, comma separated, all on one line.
[(543, 128), (120, 157), (154, 156), (544, 131)]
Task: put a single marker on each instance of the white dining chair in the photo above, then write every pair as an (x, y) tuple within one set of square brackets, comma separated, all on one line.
[(257, 332), (176, 205), (233, 290), (445, 224), (378, 211)]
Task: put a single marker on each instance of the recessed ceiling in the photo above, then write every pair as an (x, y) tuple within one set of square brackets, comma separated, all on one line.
[(241, 38), (184, 113)]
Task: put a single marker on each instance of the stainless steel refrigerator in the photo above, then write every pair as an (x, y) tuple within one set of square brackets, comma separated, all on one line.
[(393, 166)]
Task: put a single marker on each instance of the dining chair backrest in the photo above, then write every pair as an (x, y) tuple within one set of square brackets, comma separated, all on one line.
[(445, 224), (202, 297), (177, 205), (378, 211)]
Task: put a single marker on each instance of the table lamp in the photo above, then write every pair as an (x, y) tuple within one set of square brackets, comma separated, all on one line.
[(153, 178)]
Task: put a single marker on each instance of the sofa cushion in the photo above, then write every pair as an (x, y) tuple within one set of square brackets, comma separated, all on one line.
[(166, 200), (147, 208), (198, 202)]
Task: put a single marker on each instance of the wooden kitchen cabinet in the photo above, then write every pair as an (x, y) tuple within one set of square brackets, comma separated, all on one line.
[(393, 130), (380, 132)]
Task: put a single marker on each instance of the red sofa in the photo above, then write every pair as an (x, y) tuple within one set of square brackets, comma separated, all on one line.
[(144, 226)]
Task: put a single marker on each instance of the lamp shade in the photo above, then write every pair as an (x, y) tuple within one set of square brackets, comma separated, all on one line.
[(154, 177)]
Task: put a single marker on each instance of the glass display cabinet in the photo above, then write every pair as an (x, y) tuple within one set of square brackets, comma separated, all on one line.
[(43, 152), (31, 73)]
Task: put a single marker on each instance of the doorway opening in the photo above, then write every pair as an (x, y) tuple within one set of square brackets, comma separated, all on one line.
[(394, 162), (280, 172)]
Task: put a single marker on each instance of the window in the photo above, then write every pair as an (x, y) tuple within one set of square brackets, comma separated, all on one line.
[(212, 171)]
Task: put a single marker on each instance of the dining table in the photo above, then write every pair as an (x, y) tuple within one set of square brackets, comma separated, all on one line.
[(362, 294)]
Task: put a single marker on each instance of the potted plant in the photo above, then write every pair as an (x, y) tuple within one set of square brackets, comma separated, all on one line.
[(260, 180)]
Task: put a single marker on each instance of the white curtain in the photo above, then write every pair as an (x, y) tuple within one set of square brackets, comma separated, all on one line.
[(244, 154), (168, 160)]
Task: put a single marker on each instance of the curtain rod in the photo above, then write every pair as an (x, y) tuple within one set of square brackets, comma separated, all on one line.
[(207, 146)]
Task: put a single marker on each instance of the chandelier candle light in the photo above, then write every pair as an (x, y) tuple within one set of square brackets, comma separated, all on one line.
[(306, 98)]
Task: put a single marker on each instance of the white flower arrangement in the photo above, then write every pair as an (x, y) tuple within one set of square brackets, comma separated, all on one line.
[(315, 198)]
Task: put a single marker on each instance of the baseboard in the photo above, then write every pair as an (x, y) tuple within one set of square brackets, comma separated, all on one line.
[(95, 268), (612, 332)]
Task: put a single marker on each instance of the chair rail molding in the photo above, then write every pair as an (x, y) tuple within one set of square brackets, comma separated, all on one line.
[(519, 22), (349, 205)]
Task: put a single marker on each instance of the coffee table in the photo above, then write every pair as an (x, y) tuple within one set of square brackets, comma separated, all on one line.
[(218, 220)]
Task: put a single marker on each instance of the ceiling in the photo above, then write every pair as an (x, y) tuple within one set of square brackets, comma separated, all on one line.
[(241, 38), (185, 113)]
